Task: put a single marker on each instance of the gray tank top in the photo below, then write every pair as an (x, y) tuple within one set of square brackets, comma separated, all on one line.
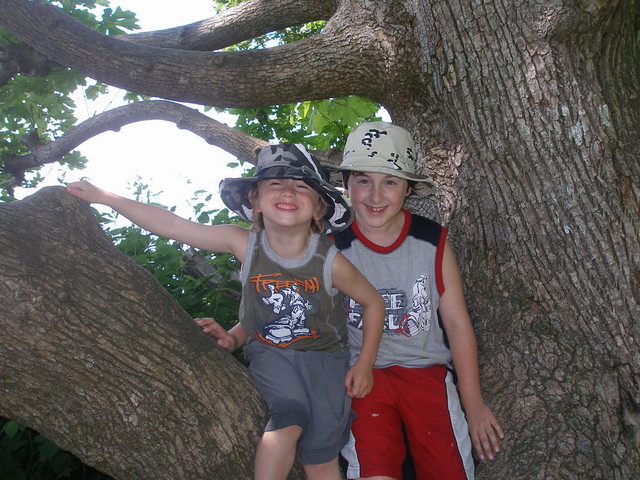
[(292, 303)]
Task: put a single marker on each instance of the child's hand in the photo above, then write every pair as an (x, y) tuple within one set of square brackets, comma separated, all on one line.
[(213, 328), (359, 381), (484, 431), (86, 191)]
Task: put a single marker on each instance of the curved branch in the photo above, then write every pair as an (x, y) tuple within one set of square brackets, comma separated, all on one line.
[(215, 133), (239, 144), (247, 20), (314, 68)]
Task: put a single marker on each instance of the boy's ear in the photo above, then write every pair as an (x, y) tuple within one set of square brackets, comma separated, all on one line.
[(254, 198), (345, 180), (320, 209)]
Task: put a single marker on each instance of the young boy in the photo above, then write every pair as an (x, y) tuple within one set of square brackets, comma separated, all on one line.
[(427, 329), (292, 307)]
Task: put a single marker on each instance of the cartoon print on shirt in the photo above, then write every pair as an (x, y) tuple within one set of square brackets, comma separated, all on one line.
[(291, 326), (401, 317), (276, 299), (418, 319)]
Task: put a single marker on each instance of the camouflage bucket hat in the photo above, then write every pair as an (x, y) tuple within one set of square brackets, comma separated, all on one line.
[(381, 147), (288, 161)]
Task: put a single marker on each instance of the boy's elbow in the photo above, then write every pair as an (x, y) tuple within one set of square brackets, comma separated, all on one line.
[(376, 307), (380, 302)]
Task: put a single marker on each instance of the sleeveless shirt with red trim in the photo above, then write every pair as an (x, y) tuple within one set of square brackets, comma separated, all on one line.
[(408, 275)]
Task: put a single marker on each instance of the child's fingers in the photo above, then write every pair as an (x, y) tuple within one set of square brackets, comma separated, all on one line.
[(209, 325), (486, 443), (495, 435), (349, 385), (205, 322)]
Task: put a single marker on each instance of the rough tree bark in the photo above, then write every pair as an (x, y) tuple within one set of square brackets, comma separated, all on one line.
[(99, 358), (527, 115)]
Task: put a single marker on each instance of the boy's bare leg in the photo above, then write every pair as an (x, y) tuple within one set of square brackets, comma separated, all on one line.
[(276, 453), (324, 471)]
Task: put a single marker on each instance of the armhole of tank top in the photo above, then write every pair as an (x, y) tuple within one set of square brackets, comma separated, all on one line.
[(328, 265), (439, 256), (246, 265)]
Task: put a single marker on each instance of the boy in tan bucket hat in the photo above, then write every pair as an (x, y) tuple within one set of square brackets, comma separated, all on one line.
[(427, 329)]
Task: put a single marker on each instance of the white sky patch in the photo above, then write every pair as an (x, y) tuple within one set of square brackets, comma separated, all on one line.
[(174, 163)]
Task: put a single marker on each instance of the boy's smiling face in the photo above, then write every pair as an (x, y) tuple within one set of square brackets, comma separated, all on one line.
[(287, 202), (377, 198)]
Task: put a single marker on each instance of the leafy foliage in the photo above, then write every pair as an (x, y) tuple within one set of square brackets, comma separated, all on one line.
[(41, 107), (27, 455), (319, 125)]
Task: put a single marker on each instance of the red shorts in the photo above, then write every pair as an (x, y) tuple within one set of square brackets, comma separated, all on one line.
[(425, 402)]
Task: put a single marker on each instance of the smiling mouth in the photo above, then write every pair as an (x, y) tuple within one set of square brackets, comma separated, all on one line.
[(285, 206), (376, 209)]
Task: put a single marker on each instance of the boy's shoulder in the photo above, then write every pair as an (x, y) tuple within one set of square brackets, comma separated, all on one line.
[(424, 228), (344, 238)]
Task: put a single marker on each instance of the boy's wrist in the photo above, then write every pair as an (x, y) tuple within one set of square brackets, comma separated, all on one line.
[(365, 361)]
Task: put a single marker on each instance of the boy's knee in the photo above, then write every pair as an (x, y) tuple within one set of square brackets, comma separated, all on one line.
[(324, 471)]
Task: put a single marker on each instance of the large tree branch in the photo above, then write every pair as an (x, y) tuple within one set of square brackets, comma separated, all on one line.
[(239, 144), (21, 58), (285, 74), (99, 358), (215, 133), (248, 20)]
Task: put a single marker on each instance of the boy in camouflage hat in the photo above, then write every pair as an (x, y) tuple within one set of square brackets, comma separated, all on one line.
[(292, 310)]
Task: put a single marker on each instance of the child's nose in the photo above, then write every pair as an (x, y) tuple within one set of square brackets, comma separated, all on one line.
[(289, 187), (376, 193)]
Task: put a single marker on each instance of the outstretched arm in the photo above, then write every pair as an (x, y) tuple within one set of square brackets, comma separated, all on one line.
[(484, 429), (216, 238), (351, 282)]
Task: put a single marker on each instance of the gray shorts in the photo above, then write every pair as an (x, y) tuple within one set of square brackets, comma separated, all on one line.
[(305, 389)]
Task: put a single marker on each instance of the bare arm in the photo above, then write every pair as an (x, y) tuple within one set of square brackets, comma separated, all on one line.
[(483, 426), (351, 282), (213, 238)]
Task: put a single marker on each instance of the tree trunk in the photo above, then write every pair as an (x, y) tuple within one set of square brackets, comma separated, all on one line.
[(97, 356), (544, 213)]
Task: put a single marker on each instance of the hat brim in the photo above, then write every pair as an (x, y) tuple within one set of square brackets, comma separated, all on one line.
[(337, 217)]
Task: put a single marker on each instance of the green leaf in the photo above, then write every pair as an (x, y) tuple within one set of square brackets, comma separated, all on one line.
[(46, 449), (11, 428)]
